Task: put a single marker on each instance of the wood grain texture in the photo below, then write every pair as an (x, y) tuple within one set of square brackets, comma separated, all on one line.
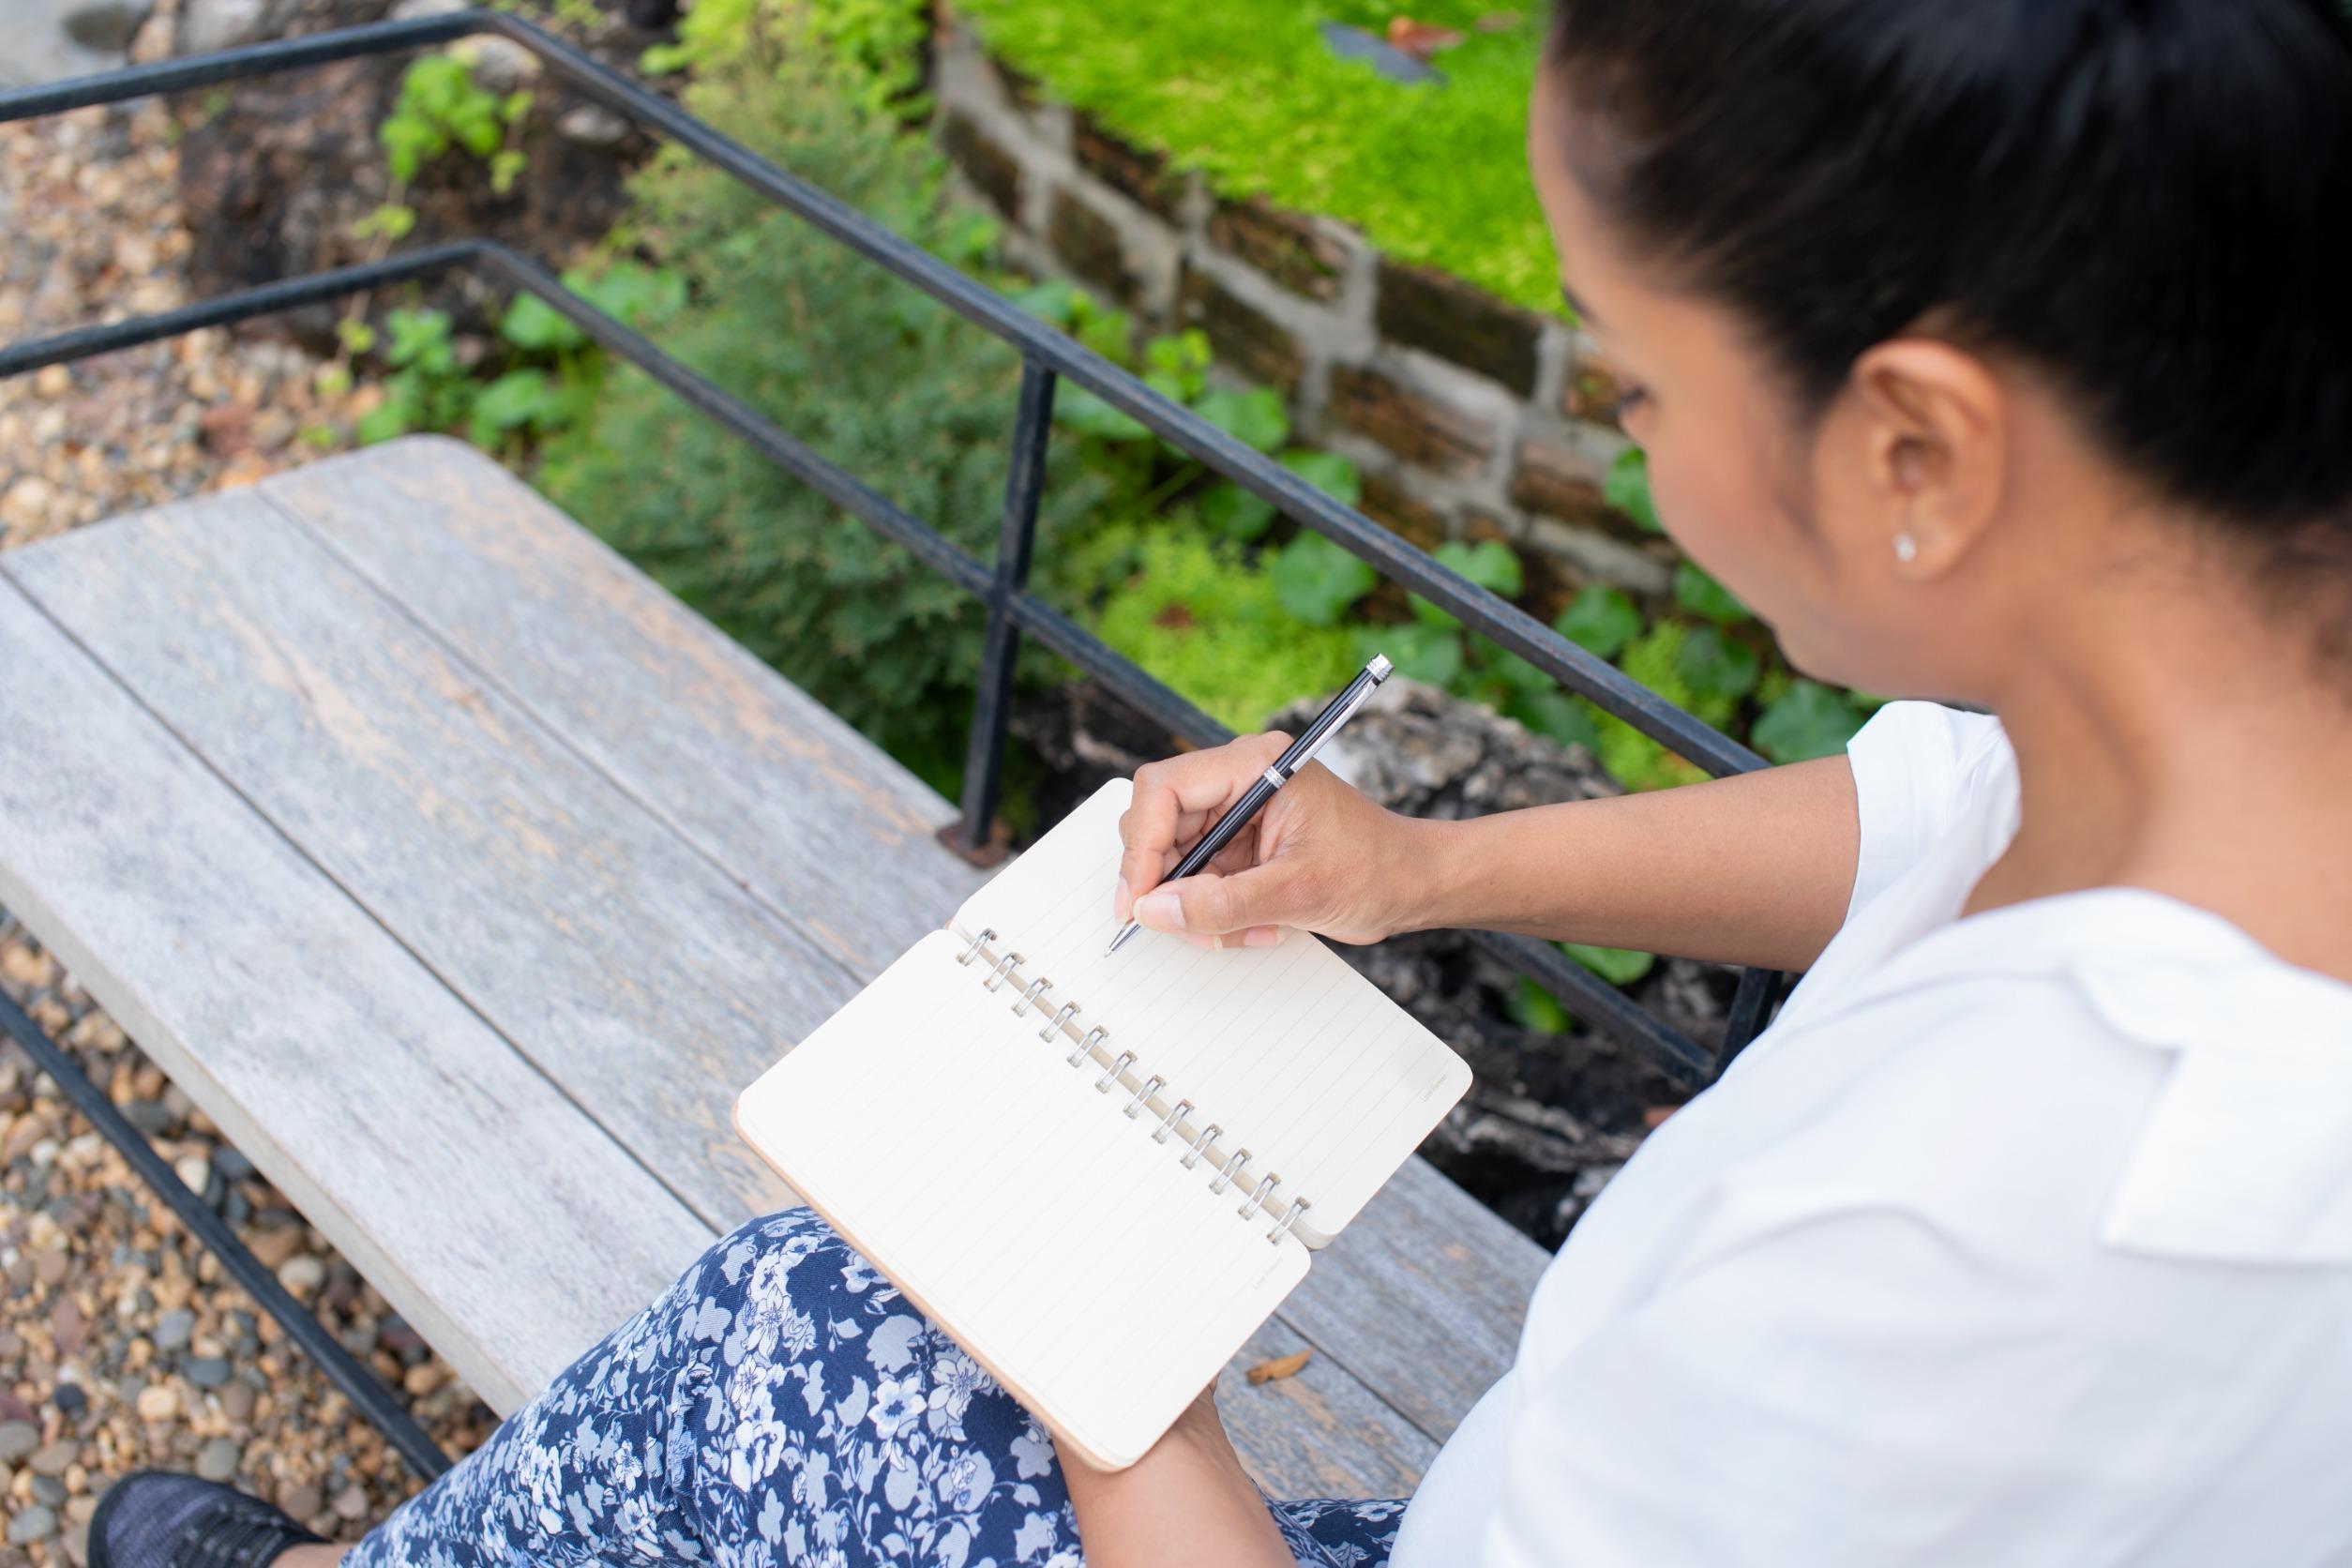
[(635, 974), (1423, 1296), (833, 835), (377, 1103), (649, 864)]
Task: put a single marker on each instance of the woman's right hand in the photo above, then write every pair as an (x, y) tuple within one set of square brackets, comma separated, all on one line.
[(1319, 856)]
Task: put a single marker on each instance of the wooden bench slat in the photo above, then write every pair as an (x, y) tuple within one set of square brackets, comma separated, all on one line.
[(767, 781), (324, 1051), (686, 719), (635, 974), (575, 802)]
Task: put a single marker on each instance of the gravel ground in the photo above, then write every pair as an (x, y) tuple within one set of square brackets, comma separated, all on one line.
[(123, 1345)]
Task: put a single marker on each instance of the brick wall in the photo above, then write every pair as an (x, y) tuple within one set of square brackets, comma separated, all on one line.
[(1469, 417)]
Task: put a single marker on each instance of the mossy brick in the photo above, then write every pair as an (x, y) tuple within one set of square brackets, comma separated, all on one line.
[(987, 165), (1468, 326), (1558, 482), (1590, 392), (1242, 335), (1388, 503), (1141, 176), (1287, 246), (1088, 244), (1021, 90), (1437, 436)]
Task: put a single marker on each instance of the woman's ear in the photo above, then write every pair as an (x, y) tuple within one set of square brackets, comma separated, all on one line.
[(1935, 423)]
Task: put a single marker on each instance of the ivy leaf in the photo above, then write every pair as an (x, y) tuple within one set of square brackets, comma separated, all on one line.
[(420, 338), (1255, 418), (1088, 414), (1714, 665), (1600, 620), (1558, 717), (1328, 472), (1619, 965), (532, 324), (1701, 594), (1423, 652), (1316, 580), (1627, 488), (387, 419), (520, 399), (1236, 513), (1536, 1010), (1490, 563), (1810, 721)]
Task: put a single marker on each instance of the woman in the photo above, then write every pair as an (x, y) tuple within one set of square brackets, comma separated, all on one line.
[(1999, 352)]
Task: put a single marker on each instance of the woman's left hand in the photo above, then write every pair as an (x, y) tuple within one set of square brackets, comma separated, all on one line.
[(1187, 1500)]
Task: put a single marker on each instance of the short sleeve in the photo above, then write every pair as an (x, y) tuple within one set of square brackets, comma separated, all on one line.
[(1909, 761)]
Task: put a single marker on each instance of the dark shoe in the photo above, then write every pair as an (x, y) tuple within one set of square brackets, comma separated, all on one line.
[(163, 1519)]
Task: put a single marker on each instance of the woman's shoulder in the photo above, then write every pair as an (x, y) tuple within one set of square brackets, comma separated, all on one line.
[(2111, 1066), (1919, 768)]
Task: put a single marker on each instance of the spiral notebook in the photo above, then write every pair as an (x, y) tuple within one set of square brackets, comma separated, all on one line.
[(1099, 1172)]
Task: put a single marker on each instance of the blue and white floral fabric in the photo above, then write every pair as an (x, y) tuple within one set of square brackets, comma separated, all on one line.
[(780, 1403)]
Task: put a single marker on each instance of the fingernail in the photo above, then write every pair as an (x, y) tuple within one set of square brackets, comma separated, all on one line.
[(1162, 912), (1121, 897), (1262, 936)]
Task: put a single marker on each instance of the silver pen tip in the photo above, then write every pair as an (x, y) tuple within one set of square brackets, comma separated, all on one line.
[(1380, 667), (1131, 928)]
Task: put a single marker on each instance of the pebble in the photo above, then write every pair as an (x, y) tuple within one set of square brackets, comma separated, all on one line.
[(53, 1458), (206, 1371), (159, 1403), (16, 1439), (236, 1401), (301, 1274), (173, 1329), (303, 1500), (70, 1400), (219, 1459), (350, 1504), (35, 1523), (49, 1489), (195, 1172)]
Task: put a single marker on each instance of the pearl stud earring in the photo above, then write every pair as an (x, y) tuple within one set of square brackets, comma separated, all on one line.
[(1905, 547)]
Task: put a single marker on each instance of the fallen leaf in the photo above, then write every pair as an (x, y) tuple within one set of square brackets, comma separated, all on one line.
[(1281, 1366), (1655, 1116), (1420, 39)]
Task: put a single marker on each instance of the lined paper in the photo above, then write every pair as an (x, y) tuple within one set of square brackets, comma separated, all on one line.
[(1097, 1278), (1307, 1064)]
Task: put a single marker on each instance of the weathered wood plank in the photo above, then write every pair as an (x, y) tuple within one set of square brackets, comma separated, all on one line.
[(1320, 1434), (492, 1214), (1423, 1296), (639, 977), (833, 835)]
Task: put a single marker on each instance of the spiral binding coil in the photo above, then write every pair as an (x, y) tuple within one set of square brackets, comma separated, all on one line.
[(1231, 1169)]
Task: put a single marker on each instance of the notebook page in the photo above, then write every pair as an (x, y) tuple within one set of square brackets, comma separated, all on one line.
[(1297, 1057), (1011, 1202)]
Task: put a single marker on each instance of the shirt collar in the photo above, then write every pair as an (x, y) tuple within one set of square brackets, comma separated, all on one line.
[(2247, 1154)]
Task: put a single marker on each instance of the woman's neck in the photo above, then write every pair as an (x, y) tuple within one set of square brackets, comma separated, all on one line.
[(2177, 741)]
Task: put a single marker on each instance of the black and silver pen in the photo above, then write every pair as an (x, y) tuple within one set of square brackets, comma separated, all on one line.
[(1261, 788)]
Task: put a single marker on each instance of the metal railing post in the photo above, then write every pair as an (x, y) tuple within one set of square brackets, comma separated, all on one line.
[(984, 751)]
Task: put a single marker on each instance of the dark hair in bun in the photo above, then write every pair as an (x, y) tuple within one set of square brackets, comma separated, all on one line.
[(2149, 199)]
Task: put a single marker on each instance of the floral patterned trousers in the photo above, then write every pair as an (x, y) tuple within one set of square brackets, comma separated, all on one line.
[(780, 1403)]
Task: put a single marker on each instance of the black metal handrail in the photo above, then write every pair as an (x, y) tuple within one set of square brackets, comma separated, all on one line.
[(1048, 357)]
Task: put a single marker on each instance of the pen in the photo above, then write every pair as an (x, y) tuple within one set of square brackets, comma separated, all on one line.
[(1261, 788)]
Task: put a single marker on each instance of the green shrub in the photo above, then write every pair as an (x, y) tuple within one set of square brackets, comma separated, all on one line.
[(1192, 612), (869, 372), (1247, 91)]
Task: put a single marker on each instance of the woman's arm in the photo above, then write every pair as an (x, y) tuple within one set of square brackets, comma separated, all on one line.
[(1185, 1501), (1755, 868)]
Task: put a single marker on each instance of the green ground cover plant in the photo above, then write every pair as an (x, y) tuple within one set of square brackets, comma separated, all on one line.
[(1248, 92)]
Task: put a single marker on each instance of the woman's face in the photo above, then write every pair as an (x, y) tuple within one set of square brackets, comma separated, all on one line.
[(1755, 501)]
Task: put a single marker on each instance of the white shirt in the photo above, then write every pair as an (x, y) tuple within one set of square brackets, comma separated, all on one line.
[(2020, 1239)]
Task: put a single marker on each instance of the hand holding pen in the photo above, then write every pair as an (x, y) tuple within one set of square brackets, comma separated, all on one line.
[(1314, 852)]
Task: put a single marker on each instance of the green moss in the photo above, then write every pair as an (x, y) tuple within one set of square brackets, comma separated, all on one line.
[(1247, 91), (1200, 618)]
